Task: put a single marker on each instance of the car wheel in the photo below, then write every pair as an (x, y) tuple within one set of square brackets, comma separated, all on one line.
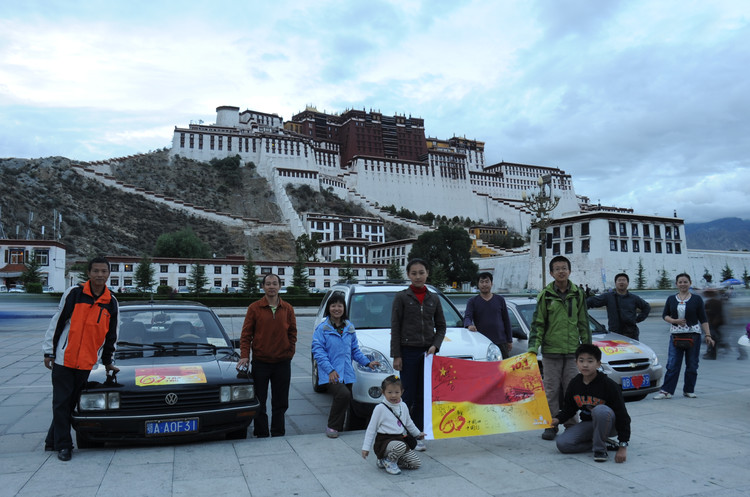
[(84, 442), (238, 434), (314, 373)]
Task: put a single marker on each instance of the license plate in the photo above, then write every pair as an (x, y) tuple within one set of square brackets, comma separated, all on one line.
[(636, 382), (171, 427)]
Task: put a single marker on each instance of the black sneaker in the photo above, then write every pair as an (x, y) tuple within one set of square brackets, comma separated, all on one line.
[(600, 456), (549, 433)]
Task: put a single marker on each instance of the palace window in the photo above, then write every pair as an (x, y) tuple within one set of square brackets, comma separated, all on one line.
[(569, 231), (657, 246), (669, 248), (585, 246), (182, 269), (647, 246), (623, 245), (623, 229), (634, 229), (568, 247), (584, 229), (647, 230), (613, 245), (163, 268), (612, 228), (677, 248), (636, 246)]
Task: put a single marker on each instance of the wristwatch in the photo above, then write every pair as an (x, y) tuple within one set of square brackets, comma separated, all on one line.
[(623, 444)]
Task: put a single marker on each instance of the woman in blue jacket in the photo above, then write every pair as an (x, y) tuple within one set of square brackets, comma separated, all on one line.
[(686, 315), (334, 346)]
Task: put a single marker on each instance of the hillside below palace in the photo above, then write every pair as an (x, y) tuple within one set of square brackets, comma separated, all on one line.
[(378, 160)]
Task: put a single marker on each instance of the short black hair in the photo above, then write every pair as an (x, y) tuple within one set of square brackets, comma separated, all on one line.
[(99, 260), (588, 348), (622, 274), (263, 282), (559, 258), (485, 274), (683, 275), (336, 297)]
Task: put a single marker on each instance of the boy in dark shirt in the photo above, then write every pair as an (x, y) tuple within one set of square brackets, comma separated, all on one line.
[(603, 412)]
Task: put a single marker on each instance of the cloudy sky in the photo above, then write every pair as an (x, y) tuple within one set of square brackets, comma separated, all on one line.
[(645, 103)]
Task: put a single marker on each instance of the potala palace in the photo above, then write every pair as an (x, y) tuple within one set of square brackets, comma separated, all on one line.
[(379, 160)]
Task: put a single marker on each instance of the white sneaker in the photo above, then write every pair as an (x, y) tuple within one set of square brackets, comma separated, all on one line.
[(421, 447), (689, 395), (391, 467), (380, 463), (662, 395)]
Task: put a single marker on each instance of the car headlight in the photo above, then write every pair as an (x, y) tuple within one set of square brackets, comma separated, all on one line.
[(493, 353), (375, 355), (99, 401), (654, 359), (233, 393)]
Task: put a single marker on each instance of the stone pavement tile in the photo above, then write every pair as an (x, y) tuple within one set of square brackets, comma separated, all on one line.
[(14, 443), (223, 486), (127, 456), (361, 478), (577, 472), (21, 398), (22, 462), (35, 489), (253, 447), (445, 485), (280, 474), (36, 419), (153, 480), (11, 484), (318, 451), (199, 460), (674, 481)]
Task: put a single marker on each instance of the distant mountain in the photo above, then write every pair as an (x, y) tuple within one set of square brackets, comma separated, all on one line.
[(729, 233)]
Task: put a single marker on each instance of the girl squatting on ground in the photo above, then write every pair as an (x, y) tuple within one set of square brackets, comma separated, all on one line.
[(389, 424)]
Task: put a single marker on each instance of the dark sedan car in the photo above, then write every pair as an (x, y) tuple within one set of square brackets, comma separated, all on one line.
[(177, 381)]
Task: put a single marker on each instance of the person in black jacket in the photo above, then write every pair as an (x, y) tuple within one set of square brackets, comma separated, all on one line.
[(603, 412), (624, 309)]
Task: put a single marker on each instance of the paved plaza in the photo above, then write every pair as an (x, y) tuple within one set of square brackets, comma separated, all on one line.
[(679, 447)]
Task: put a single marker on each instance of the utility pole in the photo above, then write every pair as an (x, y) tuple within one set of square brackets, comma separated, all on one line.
[(541, 205)]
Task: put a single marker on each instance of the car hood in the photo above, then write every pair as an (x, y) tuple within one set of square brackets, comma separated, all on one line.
[(458, 342), (619, 347), (168, 372)]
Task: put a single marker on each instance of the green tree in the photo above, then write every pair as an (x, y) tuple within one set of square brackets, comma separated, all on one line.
[(707, 276), (249, 283), (197, 279), (300, 279), (144, 275), (346, 272), (393, 272), (306, 247), (450, 248), (746, 278), (183, 244), (32, 276), (640, 279), (438, 277), (726, 273), (664, 283)]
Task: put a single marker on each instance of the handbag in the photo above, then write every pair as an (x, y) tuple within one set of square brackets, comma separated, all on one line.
[(409, 439), (683, 341)]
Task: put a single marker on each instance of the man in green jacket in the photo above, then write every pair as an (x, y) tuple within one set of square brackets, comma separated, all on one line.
[(559, 326)]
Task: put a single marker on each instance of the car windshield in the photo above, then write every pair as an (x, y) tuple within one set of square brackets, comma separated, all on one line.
[(527, 314), (156, 326), (373, 310)]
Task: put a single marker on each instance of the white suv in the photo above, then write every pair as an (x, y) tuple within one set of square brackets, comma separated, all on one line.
[(369, 309)]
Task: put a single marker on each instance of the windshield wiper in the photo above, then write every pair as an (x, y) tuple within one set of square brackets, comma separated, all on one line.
[(178, 345), (141, 345)]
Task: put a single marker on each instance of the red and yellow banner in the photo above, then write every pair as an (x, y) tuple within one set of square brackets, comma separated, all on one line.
[(169, 375), (467, 398)]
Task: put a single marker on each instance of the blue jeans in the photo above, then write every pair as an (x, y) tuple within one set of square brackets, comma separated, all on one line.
[(412, 379), (674, 364)]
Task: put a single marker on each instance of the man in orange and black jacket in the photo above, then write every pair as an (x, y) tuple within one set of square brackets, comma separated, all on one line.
[(83, 330)]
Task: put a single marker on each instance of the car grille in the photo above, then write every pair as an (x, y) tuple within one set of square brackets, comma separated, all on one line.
[(629, 366), (157, 400)]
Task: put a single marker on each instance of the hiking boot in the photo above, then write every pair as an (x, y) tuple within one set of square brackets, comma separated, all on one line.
[(549, 433), (600, 456)]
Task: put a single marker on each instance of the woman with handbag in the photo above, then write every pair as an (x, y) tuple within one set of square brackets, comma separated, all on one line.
[(686, 314)]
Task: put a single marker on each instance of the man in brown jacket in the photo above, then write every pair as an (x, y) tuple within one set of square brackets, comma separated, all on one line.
[(270, 331)]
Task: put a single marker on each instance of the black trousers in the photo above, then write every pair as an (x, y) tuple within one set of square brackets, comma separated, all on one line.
[(279, 374), (67, 384)]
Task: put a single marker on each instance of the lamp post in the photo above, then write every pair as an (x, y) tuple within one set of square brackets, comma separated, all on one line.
[(541, 205)]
